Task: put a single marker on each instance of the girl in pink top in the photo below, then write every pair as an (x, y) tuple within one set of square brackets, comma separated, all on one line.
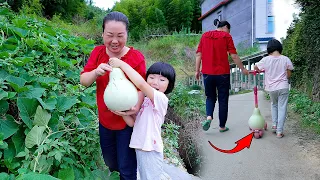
[(146, 136), (277, 72)]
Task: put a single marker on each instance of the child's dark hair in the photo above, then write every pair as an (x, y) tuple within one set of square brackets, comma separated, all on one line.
[(220, 24), (115, 16), (274, 45), (165, 70)]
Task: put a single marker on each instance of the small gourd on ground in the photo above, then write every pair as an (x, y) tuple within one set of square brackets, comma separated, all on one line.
[(120, 94)]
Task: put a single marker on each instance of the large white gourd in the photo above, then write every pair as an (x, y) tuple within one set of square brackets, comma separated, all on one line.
[(120, 94), (256, 121)]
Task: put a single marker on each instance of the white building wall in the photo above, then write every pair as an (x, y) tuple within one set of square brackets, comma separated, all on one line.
[(263, 9)]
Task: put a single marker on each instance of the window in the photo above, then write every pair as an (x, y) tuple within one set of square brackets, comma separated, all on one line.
[(270, 24)]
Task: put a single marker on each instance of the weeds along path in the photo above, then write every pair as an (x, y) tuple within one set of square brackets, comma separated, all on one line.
[(293, 157)]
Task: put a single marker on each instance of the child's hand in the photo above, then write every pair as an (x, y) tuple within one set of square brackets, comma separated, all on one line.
[(115, 62), (129, 112), (102, 68), (119, 113)]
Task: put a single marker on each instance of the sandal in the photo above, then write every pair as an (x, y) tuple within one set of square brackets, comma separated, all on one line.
[(224, 130), (206, 124), (280, 135), (274, 128)]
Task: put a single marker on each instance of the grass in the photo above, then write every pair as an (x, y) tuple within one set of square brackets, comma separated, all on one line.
[(308, 110), (178, 50)]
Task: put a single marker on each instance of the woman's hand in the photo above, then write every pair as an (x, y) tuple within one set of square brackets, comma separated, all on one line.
[(245, 71), (115, 62), (197, 75), (102, 68), (130, 112)]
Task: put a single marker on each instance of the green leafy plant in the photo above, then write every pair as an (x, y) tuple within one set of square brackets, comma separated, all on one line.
[(185, 104), (48, 122), (309, 110)]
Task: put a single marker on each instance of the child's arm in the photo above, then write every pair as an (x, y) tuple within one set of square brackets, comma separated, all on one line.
[(134, 76), (256, 68), (129, 119), (288, 73)]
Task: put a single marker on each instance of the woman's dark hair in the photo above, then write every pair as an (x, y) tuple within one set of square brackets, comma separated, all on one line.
[(274, 45), (115, 16), (220, 24), (165, 70)]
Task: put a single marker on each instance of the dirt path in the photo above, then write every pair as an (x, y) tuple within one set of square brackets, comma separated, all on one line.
[(294, 157)]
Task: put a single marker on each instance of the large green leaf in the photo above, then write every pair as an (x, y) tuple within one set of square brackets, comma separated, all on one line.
[(12, 40), (45, 48), (27, 108), (33, 93), (16, 83), (3, 75), (35, 176), (34, 137), (18, 140), (4, 54), (48, 80), (89, 100), (5, 176), (3, 94), (9, 153), (5, 11), (20, 22), (10, 47), (85, 117), (11, 95), (44, 164), (31, 42), (66, 174), (65, 103), (21, 61), (42, 117), (48, 104), (49, 31), (8, 126), (27, 77), (4, 106), (64, 63), (98, 174), (19, 31)]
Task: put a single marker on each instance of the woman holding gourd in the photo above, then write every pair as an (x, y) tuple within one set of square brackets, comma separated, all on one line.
[(114, 133)]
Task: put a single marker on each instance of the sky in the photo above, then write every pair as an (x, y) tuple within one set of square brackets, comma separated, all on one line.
[(104, 4), (283, 11)]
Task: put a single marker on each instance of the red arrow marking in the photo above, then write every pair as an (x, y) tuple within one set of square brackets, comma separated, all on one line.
[(245, 142)]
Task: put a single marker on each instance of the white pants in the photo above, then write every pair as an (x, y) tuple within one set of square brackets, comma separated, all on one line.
[(150, 165), (279, 103)]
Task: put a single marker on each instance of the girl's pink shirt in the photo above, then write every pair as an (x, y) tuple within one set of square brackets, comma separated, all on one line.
[(146, 133), (275, 68)]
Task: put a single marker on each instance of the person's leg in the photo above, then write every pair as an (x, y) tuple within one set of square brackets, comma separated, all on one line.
[(150, 165), (211, 94), (126, 156), (274, 109), (223, 85), (282, 109), (108, 147)]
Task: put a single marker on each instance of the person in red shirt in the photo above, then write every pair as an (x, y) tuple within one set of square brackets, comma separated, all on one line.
[(212, 53), (114, 133)]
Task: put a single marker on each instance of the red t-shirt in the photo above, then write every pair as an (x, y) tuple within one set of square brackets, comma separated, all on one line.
[(214, 46), (135, 59)]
